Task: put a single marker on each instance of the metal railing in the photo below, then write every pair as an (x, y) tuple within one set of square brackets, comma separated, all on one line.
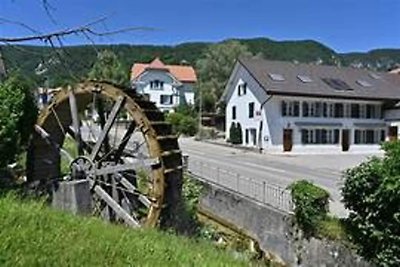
[(261, 191)]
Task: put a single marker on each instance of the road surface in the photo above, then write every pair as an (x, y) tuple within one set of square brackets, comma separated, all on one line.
[(278, 169)]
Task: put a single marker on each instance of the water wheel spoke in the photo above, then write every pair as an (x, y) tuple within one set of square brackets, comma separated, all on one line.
[(47, 138), (107, 126), (124, 167), (131, 165), (125, 216), (86, 147), (120, 150), (128, 185)]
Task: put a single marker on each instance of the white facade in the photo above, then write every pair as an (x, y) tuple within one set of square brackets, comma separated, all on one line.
[(294, 123), (164, 90)]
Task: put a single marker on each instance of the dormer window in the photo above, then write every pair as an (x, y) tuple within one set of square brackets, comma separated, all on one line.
[(157, 85), (242, 89)]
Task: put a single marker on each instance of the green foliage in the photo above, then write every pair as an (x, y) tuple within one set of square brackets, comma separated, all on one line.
[(182, 124), (80, 59), (17, 115), (34, 235), (332, 228), (235, 133), (191, 192), (215, 67), (109, 68), (371, 192), (311, 205)]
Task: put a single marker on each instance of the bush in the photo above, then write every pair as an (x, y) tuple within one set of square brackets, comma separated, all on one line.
[(311, 205), (182, 124), (235, 133), (17, 115), (371, 192)]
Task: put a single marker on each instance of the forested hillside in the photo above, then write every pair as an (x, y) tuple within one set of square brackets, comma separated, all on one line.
[(76, 61)]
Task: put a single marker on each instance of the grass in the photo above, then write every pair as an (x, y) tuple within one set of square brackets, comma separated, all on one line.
[(332, 228), (69, 146), (34, 235)]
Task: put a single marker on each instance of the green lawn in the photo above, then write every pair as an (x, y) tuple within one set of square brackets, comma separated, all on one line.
[(32, 234)]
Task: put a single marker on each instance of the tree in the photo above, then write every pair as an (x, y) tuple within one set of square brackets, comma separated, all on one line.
[(108, 68), (215, 67), (235, 133), (18, 113), (371, 192)]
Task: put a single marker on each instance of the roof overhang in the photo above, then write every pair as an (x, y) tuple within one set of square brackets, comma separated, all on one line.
[(377, 98)]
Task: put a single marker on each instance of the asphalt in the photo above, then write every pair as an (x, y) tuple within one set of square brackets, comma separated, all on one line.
[(279, 169)]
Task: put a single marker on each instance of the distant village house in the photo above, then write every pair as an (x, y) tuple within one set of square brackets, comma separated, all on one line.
[(166, 85), (286, 106)]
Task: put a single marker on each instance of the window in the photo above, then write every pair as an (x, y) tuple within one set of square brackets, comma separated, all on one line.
[(305, 109), (156, 85), (363, 111), (276, 77), (304, 78), (355, 111), (369, 136), (251, 110), (339, 112), (337, 84), (247, 136), (363, 83), (234, 113), (374, 76), (166, 99), (290, 108), (284, 108), (320, 136), (242, 89)]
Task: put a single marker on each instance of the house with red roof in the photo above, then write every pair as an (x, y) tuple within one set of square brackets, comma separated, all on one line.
[(166, 85)]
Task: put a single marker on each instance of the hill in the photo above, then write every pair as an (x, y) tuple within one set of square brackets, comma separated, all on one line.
[(35, 235), (77, 60)]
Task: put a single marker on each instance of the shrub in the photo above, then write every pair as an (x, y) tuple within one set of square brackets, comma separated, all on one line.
[(311, 205), (235, 133), (182, 124), (371, 192), (17, 115)]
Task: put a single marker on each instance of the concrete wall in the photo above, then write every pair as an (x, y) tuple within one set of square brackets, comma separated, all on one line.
[(273, 230)]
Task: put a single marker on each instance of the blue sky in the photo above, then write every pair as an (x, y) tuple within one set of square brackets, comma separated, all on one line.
[(344, 25)]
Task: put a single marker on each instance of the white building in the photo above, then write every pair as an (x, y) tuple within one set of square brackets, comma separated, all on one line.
[(166, 85), (287, 106)]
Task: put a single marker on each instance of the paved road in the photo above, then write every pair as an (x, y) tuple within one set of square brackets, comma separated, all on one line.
[(279, 169)]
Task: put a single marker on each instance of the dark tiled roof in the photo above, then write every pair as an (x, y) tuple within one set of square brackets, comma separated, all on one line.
[(387, 87)]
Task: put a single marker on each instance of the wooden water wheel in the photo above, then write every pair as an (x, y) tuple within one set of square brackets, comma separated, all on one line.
[(117, 140)]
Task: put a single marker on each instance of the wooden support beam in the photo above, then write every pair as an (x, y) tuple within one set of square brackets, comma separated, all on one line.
[(85, 145), (75, 120), (125, 216), (125, 140), (53, 144), (131, 165), (131, 187), (107, 127)]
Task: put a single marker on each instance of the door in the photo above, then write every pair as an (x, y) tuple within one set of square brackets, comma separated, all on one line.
[(393, 133), (345, 139), (287, 139)]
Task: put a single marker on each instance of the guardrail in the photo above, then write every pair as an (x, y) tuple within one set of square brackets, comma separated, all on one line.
[(261, 191)]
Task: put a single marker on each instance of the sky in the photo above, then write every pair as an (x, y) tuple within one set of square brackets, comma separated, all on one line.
[(343, 25)]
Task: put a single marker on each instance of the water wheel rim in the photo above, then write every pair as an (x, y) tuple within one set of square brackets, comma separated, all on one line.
[(48, 118)]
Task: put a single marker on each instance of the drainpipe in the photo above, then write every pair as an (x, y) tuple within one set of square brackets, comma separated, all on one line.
[(260, 128)]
